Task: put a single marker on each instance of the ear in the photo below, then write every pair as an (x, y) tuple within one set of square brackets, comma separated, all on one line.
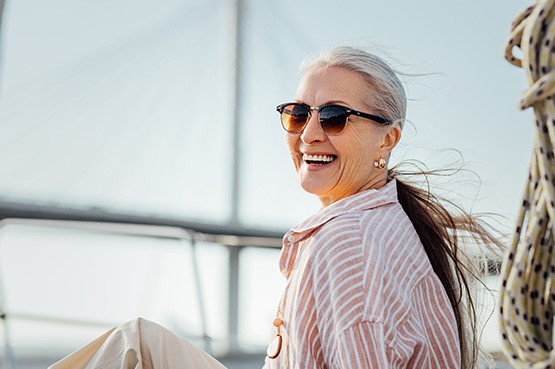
[(390, 140)]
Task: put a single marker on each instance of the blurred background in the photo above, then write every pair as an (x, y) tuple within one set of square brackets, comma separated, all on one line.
[(143, 170)]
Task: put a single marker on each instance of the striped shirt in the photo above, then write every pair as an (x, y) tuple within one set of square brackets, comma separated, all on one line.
[(361, 292)]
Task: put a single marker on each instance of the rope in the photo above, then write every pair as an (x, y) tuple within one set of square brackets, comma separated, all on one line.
[(527, 297)]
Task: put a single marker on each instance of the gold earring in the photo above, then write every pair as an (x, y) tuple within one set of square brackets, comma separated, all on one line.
[(380, 164)]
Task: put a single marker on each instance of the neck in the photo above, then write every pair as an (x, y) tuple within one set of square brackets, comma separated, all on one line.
[(373, 183)]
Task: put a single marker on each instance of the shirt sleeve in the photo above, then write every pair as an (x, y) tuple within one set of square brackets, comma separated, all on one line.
[(361, 346), (433, 323)]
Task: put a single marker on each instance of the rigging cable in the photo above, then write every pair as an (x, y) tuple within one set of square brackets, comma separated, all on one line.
[(527, 296)]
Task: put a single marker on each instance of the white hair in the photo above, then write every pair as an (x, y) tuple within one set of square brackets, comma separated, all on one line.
[(389, 99)]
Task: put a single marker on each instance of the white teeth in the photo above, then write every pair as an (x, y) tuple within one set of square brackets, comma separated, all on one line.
[(322, 158)]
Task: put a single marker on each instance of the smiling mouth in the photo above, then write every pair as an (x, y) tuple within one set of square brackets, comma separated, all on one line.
[(318, 159)]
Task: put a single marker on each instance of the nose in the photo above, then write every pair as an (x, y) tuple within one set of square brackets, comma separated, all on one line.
[(313, 132)]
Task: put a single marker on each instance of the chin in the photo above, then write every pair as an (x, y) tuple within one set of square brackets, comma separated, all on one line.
[(317, 189)]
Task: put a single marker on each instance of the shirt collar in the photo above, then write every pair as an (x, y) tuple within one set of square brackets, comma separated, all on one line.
[(365, 200)]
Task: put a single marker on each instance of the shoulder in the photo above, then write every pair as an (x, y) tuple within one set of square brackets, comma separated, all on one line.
[(380, 239), (386, 224), (390, 239), (336, 249)]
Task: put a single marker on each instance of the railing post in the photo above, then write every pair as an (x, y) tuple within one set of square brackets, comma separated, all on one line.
[(233, 297), (200, 297), (9, 358)]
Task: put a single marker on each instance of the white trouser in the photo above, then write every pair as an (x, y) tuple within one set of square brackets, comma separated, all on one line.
[(139, 344)]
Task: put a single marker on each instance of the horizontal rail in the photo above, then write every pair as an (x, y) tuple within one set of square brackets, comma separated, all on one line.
[(247, 235), (146, 230), (113, 228), (60, 320)]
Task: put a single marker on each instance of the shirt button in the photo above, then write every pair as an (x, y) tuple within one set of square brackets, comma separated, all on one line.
[(291, 238)]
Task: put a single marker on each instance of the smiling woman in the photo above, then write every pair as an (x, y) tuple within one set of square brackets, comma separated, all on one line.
[(375, 279)]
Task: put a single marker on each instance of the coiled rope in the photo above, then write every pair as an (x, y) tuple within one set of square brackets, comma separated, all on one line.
[(527, 296)]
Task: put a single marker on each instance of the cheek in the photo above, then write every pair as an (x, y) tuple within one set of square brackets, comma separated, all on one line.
[(289, 140), (361, 149)]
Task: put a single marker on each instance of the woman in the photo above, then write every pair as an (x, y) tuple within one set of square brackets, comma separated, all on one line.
[(375, 278)]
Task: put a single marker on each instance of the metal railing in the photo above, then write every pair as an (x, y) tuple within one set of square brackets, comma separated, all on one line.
[(235, 239)]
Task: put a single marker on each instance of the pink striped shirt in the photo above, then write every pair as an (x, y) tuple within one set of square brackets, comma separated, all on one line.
[(361, 292)]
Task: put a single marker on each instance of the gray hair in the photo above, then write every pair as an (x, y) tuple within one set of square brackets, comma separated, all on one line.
[(390, 100)]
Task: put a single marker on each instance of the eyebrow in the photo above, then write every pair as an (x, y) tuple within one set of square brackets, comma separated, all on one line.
[(327, 103), (338, 102)]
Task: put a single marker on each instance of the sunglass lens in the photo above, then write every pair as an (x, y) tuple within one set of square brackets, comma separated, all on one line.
[(333, 119), (294, 117)]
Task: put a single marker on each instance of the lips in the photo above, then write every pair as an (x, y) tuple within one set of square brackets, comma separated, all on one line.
[(318, 159)]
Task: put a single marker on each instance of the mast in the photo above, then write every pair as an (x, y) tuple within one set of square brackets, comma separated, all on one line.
[(237, 10)]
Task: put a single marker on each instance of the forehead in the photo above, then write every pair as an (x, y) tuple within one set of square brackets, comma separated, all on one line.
[(325, 85)]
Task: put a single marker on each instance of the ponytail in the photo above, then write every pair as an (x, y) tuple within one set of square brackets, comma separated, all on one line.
[(441, 231)]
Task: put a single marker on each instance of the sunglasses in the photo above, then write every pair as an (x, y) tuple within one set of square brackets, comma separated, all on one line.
[(332, 117)]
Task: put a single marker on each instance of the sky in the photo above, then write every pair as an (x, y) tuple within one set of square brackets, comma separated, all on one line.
[(126, 105)]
